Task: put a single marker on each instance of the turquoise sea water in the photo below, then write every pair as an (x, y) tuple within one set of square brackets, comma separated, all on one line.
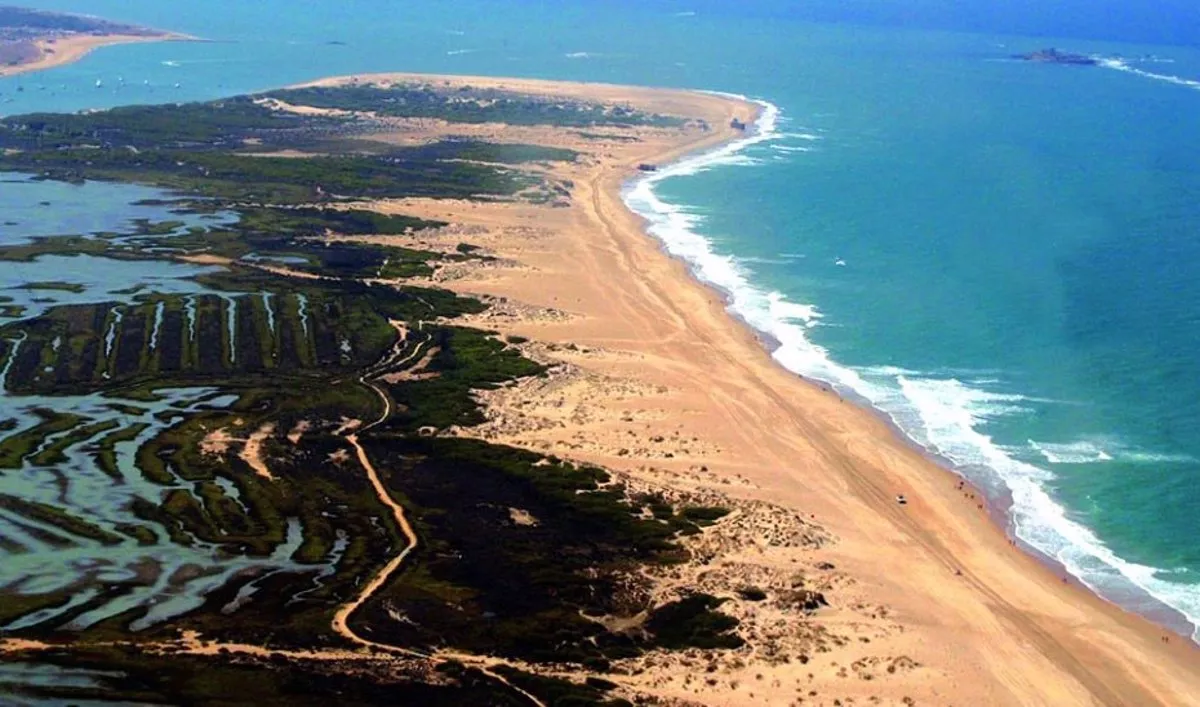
[(1002, 257)]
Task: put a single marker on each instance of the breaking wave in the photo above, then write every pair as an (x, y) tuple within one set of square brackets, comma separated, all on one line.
[(1122, 65), (943, 411)]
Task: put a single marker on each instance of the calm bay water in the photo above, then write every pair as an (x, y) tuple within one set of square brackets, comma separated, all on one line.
[(1003, 257)]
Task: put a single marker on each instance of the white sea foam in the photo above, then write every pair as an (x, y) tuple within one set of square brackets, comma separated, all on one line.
[(459, 52), (1082, 452), (943, 412), (1093, 451), (1121, 65), (1156, 458), (887, 371), (779, 308), (950, 415), (582, 55)]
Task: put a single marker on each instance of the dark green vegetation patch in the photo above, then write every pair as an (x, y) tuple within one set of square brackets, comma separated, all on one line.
[(281, 180), (470, 105), (127, 675), (225, 124)]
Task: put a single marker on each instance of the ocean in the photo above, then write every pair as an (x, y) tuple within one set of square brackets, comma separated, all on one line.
[(1001, 257)]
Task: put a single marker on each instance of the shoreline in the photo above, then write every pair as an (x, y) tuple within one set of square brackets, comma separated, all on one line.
[(63, 51), (996, 624), (649, 373), (1131, 598), (997, 507)]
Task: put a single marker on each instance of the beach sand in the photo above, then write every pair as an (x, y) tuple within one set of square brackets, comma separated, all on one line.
[(927, 603), (61, 51)]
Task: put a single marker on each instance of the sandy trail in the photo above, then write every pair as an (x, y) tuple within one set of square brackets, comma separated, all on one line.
[(393, 359), (192, 643), (341, 618)]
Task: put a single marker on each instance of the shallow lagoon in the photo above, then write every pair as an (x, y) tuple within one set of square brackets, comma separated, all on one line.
[(34, 209), (38, 557), (30, 208)]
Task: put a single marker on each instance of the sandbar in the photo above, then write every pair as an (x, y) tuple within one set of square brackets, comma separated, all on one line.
[(60, 51)]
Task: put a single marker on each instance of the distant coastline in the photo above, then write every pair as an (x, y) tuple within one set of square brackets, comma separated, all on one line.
[(34, 40)]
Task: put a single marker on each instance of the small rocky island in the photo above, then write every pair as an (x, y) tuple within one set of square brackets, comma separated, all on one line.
[(1054, 56)]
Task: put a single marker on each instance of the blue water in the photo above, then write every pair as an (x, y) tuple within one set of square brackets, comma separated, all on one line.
[(1003, 257), (31, 208)]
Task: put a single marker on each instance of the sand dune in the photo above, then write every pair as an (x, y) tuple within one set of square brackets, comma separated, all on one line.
[(928, 603)]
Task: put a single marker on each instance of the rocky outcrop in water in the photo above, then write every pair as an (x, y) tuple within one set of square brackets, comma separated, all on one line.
[(1054, 56)]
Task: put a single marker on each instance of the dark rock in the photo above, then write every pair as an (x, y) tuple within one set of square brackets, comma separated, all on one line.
[(751, 593), (1053, 56), (805, 599)]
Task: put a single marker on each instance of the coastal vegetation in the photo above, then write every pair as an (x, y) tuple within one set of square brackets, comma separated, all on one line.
[(291, 425), (404, 172), (15, 20), (469, 105)]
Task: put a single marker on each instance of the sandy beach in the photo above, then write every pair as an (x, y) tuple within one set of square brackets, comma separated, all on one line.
[(61, 51), (924, 603)]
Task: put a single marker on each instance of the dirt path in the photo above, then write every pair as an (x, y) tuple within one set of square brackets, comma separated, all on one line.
[(341, 619)]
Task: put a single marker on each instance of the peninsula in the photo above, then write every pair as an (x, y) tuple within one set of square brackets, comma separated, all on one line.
[(434, 421), (32, 40)]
